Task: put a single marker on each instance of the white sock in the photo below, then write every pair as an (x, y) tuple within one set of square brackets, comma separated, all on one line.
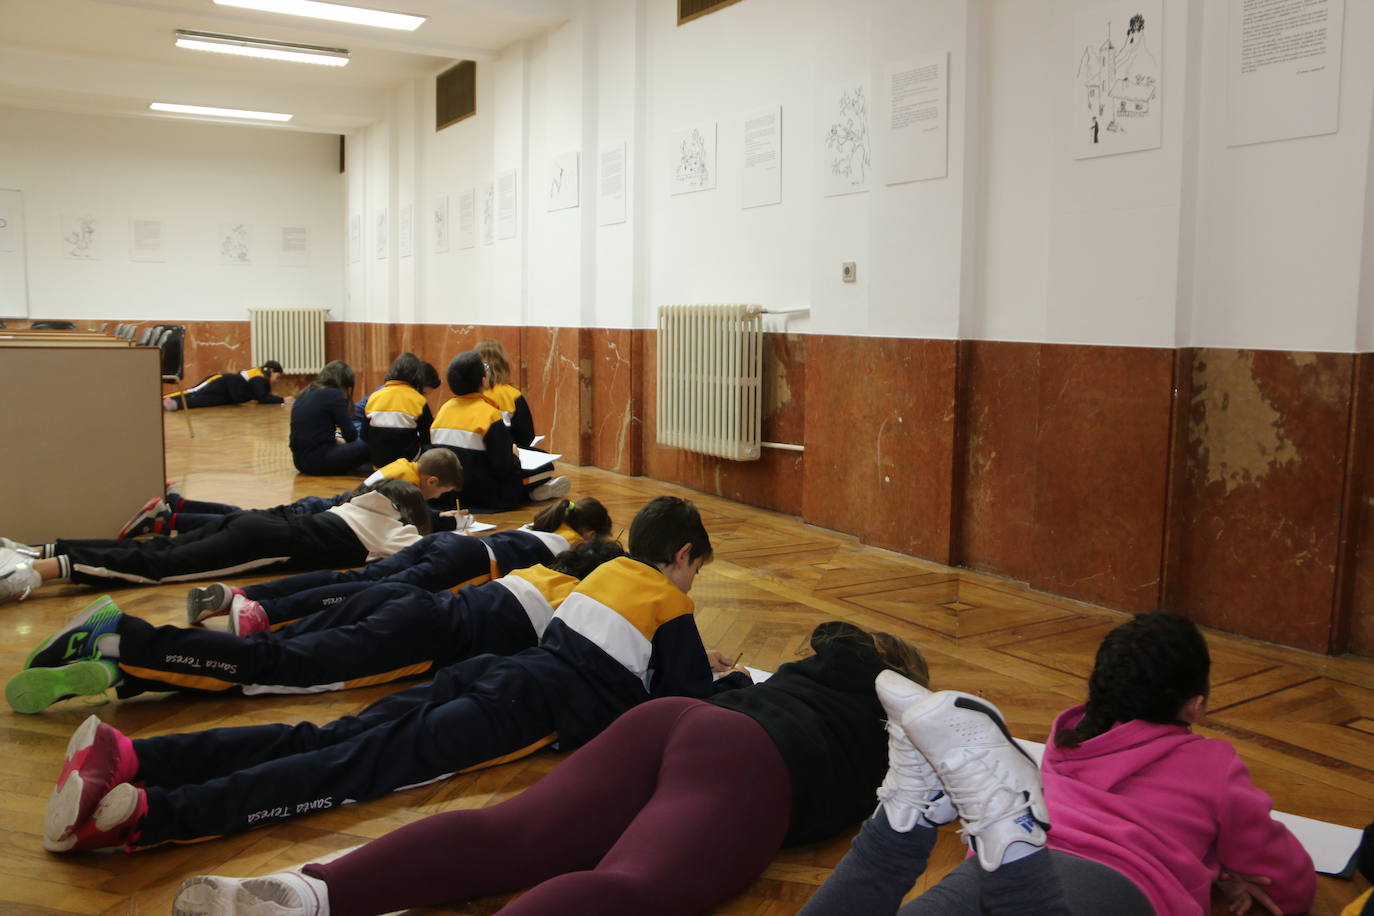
[(236, 603), (108, 645)]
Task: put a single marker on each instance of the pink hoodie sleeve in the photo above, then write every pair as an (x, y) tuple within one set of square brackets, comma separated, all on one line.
[(1251, 842)]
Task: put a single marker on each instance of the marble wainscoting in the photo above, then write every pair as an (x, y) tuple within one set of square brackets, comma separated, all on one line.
[(880, 436), (1101, 472), (1229, 485), (1263, 497)]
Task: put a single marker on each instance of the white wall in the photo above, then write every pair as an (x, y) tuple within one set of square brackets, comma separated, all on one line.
[(193, 177), (1194, 243)]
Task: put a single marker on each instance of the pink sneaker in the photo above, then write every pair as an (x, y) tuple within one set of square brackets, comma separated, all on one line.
[(247, 617), (99, 757)]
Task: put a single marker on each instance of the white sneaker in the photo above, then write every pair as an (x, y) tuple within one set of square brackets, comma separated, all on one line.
[(16, 584), (911, 789), (22, 549), (285, 893), (552, 489), (994, 785)]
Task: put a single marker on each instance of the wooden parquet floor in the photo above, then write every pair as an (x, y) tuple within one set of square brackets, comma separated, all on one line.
[(1304, 723)]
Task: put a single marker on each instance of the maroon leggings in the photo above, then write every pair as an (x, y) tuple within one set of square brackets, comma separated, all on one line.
[(676, 807)]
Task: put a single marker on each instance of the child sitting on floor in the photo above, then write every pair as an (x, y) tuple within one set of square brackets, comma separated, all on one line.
[(473, 427)]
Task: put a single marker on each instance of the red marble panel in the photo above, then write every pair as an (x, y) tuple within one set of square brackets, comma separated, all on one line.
[(553, 389), (1358, 607), (1255, 536), (1101, 466), (879, 440), (616, 420), (773, 481), (999, 411)]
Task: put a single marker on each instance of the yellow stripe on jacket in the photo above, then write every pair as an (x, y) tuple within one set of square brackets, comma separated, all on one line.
[(463, 421), (401, 469), (619, 608), (503, 397), (395, 405)]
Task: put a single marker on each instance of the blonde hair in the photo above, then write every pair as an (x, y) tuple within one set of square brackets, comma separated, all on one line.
[(494, 355)]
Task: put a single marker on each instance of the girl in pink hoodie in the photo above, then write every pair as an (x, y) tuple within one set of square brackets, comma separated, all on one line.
[(1147, 815)]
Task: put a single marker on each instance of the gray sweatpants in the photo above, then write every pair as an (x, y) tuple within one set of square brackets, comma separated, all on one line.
[(882, 865)]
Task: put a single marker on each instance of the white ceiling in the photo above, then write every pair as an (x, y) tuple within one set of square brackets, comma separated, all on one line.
[(116, 56)]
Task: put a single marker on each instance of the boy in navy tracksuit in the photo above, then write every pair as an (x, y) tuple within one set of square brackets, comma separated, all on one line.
[(441, 561), (436, 473), (230, 388), (393, 631), (625, 634)]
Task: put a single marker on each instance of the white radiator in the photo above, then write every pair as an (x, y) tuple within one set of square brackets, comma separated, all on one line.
[(293, 337), (710, 379)]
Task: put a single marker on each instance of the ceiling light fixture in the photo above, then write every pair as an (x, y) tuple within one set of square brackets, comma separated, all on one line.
[(261, 47), (219, 112), (336, 12)]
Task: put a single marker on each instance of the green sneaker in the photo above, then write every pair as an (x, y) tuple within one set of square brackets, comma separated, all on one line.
[(35, 689), (76, 642)]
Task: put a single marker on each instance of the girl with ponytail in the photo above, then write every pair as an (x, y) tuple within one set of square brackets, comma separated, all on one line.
[(1130, 813)]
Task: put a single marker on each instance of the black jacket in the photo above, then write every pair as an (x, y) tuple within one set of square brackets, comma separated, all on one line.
[(825, 718)]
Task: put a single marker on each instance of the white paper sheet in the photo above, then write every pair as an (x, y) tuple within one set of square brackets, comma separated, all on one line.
[(1116, 87), (1284, 69), (916, 123), (610, 183), (761, 178), (506, 199), (530, 459)]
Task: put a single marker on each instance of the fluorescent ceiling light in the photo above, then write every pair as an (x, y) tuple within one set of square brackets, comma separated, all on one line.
[(219, 112), (336, 12), (261, 47)]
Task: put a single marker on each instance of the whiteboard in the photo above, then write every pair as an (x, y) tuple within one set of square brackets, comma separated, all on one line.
[(14, 283)]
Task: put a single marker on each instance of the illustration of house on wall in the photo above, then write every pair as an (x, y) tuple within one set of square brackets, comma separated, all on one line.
[(1120, 82)]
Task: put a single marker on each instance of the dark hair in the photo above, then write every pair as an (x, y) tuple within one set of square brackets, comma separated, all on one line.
[(441, 463), (429, 376), (587, 556), (335, 374), (407, 499), (465, 372), (663, 526), (1146, 669), (406, 368), (271, 366), (494, 355), (586, 516), (894, 652)]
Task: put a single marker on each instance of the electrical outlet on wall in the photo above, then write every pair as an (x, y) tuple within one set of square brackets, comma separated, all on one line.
[(848, 272)]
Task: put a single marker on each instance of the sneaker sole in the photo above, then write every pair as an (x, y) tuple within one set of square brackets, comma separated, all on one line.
[(91, 610), (205, 895), (112, 812), (70, 803), (35, 689), (206, 602)]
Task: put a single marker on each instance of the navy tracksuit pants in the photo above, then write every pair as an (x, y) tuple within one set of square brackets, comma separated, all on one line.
[(236, 544), (477, 712), (443, 560), (385, 632)]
